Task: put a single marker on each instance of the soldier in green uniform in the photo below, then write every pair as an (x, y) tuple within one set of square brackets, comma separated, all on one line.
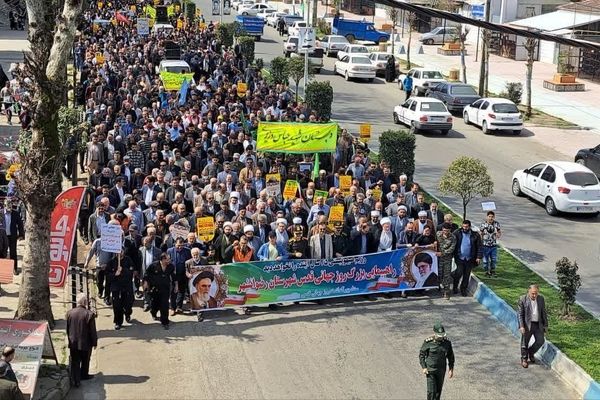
[(432, 357), (298, 245), (340, 241), (446, 244)]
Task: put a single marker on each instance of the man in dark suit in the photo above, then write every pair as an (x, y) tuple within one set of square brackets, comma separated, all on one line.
[(81, 331), (533, 321), (363, 241), (150, 191), (14, 231), (435, 215), (467, 255)]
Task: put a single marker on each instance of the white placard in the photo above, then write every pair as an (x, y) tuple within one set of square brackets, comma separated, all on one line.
[(488, 205), (178, 230), (143, 26), (111, 239)]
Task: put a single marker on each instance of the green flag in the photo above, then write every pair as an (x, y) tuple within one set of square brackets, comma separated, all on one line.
[(317, 167)]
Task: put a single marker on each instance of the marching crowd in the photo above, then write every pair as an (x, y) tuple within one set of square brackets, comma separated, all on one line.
[(155, 161)]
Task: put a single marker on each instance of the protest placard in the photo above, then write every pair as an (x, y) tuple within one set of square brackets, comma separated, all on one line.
[(111, 240), (321, 193), (179, 231), (345, 183), (290, 189), (143, 26), (296, 137), (377, 194), (273, 184), (336, 214), (205, 228)]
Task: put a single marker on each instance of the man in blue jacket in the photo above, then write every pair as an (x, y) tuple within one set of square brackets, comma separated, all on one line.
[(179, 254), (467, 255), (272, 251)]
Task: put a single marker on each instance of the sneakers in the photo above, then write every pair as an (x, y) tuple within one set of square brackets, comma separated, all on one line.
[(117, 327), (179, 311), (128, 318), (524, 364)]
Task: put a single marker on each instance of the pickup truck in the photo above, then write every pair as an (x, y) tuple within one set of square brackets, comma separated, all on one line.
[(358, 30), (251, 26)]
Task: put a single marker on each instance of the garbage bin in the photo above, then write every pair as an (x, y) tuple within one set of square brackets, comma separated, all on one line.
[(453, 74)]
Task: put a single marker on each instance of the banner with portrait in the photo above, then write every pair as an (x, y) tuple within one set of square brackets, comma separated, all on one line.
[(267, 282), (299, 138)]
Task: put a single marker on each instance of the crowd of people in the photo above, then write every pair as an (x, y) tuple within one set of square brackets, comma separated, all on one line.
[(155, 160)]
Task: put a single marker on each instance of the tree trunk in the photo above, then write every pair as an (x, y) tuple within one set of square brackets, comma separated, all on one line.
[(408, 44), (530, 45), (34, 296), (464, 210), (39, 182)]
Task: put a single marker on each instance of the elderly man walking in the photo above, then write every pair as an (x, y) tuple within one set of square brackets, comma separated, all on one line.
[(81, 331), (533, 321)]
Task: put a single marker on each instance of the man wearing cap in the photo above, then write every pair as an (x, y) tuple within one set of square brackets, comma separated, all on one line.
[(223, 241), (253, 241), (298, 244), (434, 352), (422, 222)]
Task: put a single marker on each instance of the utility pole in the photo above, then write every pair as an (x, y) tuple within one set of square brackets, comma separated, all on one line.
[(483, 70)]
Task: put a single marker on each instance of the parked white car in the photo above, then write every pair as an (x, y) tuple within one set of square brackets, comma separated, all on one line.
[(494, 114), (333, 43), (294, 30), (254, 9), (243, 4), (423, 78), (264, 14), (175, 66), (272, 18), (561, 186), (353, 49), (440, 35), (423, 114), (380, 60), (355, 66)]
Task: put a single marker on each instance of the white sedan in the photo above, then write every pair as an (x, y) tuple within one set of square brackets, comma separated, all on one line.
[(493, 114), (562, 186), (355, 67), (273, 17), (423, 114), (353, 49), (254, 9)]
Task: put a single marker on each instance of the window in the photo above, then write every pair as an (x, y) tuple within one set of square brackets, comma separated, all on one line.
[(581, 178), (536, 169), (406, 104), (413, 106), (417, 74), (477, 104), (485, 105), (549, 174), (442, 88), (505, 108), (463, 91), (433, 107)]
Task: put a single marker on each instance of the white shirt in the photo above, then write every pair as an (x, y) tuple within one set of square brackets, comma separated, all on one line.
[(149, 259), (534, 311), (149, 194)]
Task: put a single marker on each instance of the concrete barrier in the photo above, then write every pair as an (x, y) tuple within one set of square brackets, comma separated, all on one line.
[(549, 354)]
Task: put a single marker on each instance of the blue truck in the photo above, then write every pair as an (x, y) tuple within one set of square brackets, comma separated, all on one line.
[(358, 30), (250, 26)]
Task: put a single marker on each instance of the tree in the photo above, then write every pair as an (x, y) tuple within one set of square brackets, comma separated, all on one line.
[(393, 14), (279, 71), (295, 71), (412, 19), (462, 38), (467, 178), (397, 149), (41, 150), (319, 97), (246, 44), (569, 283), (530, 45), (226, 31)]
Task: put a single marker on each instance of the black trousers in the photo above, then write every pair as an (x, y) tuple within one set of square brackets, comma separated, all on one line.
[(83, 223), (80, 364), (122, 301), (538, 333), (103, 283), (462, 274), (160, 303), (12, 249), (435, 382)]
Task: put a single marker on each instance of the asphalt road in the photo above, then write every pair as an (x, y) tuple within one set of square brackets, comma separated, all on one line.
[(353, 349), (537, 238)]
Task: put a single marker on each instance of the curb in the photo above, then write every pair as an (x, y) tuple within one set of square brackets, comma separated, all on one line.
[(550, 355)]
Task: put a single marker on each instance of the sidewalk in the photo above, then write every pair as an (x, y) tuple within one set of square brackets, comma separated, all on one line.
[(580, 108)]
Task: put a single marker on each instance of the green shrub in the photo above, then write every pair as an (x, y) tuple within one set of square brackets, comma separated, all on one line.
[(513, 92), (246, 44), (397, 149), (279, 71), (319, 97)]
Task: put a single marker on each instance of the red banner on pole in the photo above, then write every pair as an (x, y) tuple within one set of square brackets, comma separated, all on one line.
[(63, 225)]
